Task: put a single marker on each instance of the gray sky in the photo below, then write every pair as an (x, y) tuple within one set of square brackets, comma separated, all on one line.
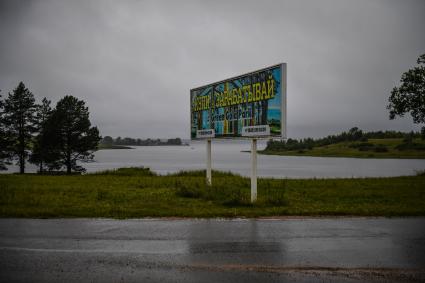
[(134, 62)]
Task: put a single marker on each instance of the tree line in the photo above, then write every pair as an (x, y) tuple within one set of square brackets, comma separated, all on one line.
[(353, 135), (108, 140), (51, 138)]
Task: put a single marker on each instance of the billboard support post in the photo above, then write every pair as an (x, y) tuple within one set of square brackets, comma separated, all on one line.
[(209, 162), (253, 170)]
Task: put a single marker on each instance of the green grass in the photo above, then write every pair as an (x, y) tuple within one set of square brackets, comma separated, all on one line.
[(135, 193), (343, 149)]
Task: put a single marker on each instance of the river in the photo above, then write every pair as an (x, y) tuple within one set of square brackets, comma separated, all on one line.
[(228, 156)]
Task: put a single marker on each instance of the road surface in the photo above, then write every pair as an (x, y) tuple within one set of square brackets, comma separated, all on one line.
[(241, 250)]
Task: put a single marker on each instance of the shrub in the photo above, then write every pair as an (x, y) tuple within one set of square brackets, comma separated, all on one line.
[(410, 146), (360, 145), (380, 148), (366, 146), (188, 190)]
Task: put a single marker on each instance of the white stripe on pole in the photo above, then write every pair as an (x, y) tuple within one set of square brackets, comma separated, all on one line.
[(254, 170), (209, 162)]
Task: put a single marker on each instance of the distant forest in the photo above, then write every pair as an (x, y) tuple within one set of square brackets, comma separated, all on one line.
[(353, 135), (108, 140)]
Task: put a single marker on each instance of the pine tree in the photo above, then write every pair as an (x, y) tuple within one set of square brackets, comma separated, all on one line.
[(19, 121), (41, 149), (70, 135), (4, 141)]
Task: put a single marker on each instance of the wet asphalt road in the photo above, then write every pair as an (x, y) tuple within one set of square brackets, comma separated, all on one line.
[(289, 250)]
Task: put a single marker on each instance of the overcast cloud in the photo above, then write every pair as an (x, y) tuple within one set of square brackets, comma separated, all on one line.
[(134, 62)]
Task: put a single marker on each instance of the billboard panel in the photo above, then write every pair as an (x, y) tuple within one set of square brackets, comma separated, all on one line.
[(250, 105)]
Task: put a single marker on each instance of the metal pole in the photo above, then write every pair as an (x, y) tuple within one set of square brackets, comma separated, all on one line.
[(254, 170), (209, 162)]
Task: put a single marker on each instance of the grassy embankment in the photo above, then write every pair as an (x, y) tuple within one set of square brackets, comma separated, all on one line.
[(133, 193), (355, 149)]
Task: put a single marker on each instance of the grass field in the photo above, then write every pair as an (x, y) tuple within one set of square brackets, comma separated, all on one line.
[(345, 149), (134, 193)]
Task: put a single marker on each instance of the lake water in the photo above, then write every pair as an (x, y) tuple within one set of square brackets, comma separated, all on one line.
[(227, 156)]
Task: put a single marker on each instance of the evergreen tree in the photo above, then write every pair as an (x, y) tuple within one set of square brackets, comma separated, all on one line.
[(70, 135), (41, 149), (19, 121), (4, 141)]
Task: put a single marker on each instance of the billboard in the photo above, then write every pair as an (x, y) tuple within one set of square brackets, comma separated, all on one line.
[(250, 105)]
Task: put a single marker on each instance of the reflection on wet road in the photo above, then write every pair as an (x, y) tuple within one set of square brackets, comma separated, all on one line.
[(305, 250)]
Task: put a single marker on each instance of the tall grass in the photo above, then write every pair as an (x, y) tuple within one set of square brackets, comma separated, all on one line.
[(232, 190), (137, 192)]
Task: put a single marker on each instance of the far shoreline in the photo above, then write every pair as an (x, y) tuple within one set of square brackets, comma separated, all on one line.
[(106, 147)]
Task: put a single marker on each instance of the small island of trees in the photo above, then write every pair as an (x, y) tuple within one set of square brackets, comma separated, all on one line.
[(110, 142)]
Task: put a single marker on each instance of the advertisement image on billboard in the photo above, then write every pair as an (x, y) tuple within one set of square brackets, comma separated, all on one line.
[(250, 105)]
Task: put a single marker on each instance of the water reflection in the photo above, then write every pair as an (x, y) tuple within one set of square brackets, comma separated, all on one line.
[(230, 243)]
